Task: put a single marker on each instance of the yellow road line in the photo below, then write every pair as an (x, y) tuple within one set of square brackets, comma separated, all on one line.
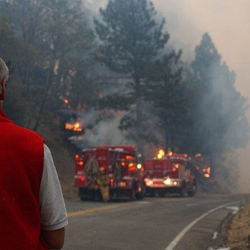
[(97, 209)]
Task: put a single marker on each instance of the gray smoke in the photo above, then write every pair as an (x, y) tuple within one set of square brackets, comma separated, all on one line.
[(227, 22), (99, 132)]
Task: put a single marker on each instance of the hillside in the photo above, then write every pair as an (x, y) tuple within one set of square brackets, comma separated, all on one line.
[(238, 234), (235, 230)]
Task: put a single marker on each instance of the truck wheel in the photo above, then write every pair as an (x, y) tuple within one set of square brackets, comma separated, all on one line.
[(140, 195), (132, 191), (161, 194), (193, 191), (132, 194), (183, 189), (99, 196), (82, 194), (152, 193), (92, 195)]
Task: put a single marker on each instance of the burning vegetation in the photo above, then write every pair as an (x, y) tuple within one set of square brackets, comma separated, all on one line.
[(76, 126)]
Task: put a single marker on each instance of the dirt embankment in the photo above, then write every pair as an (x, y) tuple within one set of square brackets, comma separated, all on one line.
[(238, 236), (235, 231)]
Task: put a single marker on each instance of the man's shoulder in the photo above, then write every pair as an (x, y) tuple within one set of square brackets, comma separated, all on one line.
[(27, 133)]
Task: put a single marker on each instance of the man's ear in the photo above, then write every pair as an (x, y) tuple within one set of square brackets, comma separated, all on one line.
[(2, 93)]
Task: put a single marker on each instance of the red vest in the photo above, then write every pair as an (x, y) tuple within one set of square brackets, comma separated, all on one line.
[(21, 167)]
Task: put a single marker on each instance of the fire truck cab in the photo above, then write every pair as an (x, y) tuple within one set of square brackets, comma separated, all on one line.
[(172, 173), (120, 164)]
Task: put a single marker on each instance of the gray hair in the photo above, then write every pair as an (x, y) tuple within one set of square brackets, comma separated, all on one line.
[(4, 71)]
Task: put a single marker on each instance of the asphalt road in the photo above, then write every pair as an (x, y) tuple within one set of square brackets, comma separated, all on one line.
[(188, 223)]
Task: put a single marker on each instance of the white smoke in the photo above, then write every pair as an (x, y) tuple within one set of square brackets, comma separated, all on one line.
[(106, 132), (100, 132)]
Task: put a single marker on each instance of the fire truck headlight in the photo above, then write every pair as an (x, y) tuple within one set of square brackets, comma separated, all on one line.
[(176, 183), (148, 182), (167, 181)]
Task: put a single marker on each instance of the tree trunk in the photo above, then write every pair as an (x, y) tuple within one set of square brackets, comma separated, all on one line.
[(49, 82), (139, 119)]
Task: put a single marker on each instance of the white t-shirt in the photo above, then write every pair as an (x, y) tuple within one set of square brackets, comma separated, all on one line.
[(52, 206)]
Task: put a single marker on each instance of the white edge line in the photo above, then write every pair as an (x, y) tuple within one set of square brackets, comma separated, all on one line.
[(175, 241)]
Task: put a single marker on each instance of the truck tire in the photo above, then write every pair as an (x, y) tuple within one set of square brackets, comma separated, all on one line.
[(140, 195), (183, 189), (152, 193), (132, 194), (92, 195), (82, 194), (161, 194), (132, 191), (192, 192), (99, 195)]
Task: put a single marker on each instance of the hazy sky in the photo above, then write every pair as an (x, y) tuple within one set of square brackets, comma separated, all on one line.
[(228, 23)]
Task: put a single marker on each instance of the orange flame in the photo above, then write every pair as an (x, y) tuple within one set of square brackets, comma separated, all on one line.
[(75, 126), (160, 154)]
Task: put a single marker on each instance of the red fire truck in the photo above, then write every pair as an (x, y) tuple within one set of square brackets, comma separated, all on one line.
[(171, 173), (120, 164)]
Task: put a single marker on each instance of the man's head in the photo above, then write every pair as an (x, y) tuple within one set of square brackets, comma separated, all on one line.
[(4, 75)]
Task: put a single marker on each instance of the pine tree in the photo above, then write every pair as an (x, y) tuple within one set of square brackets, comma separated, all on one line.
[(220, 119), (167, 94), (131, 41)]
